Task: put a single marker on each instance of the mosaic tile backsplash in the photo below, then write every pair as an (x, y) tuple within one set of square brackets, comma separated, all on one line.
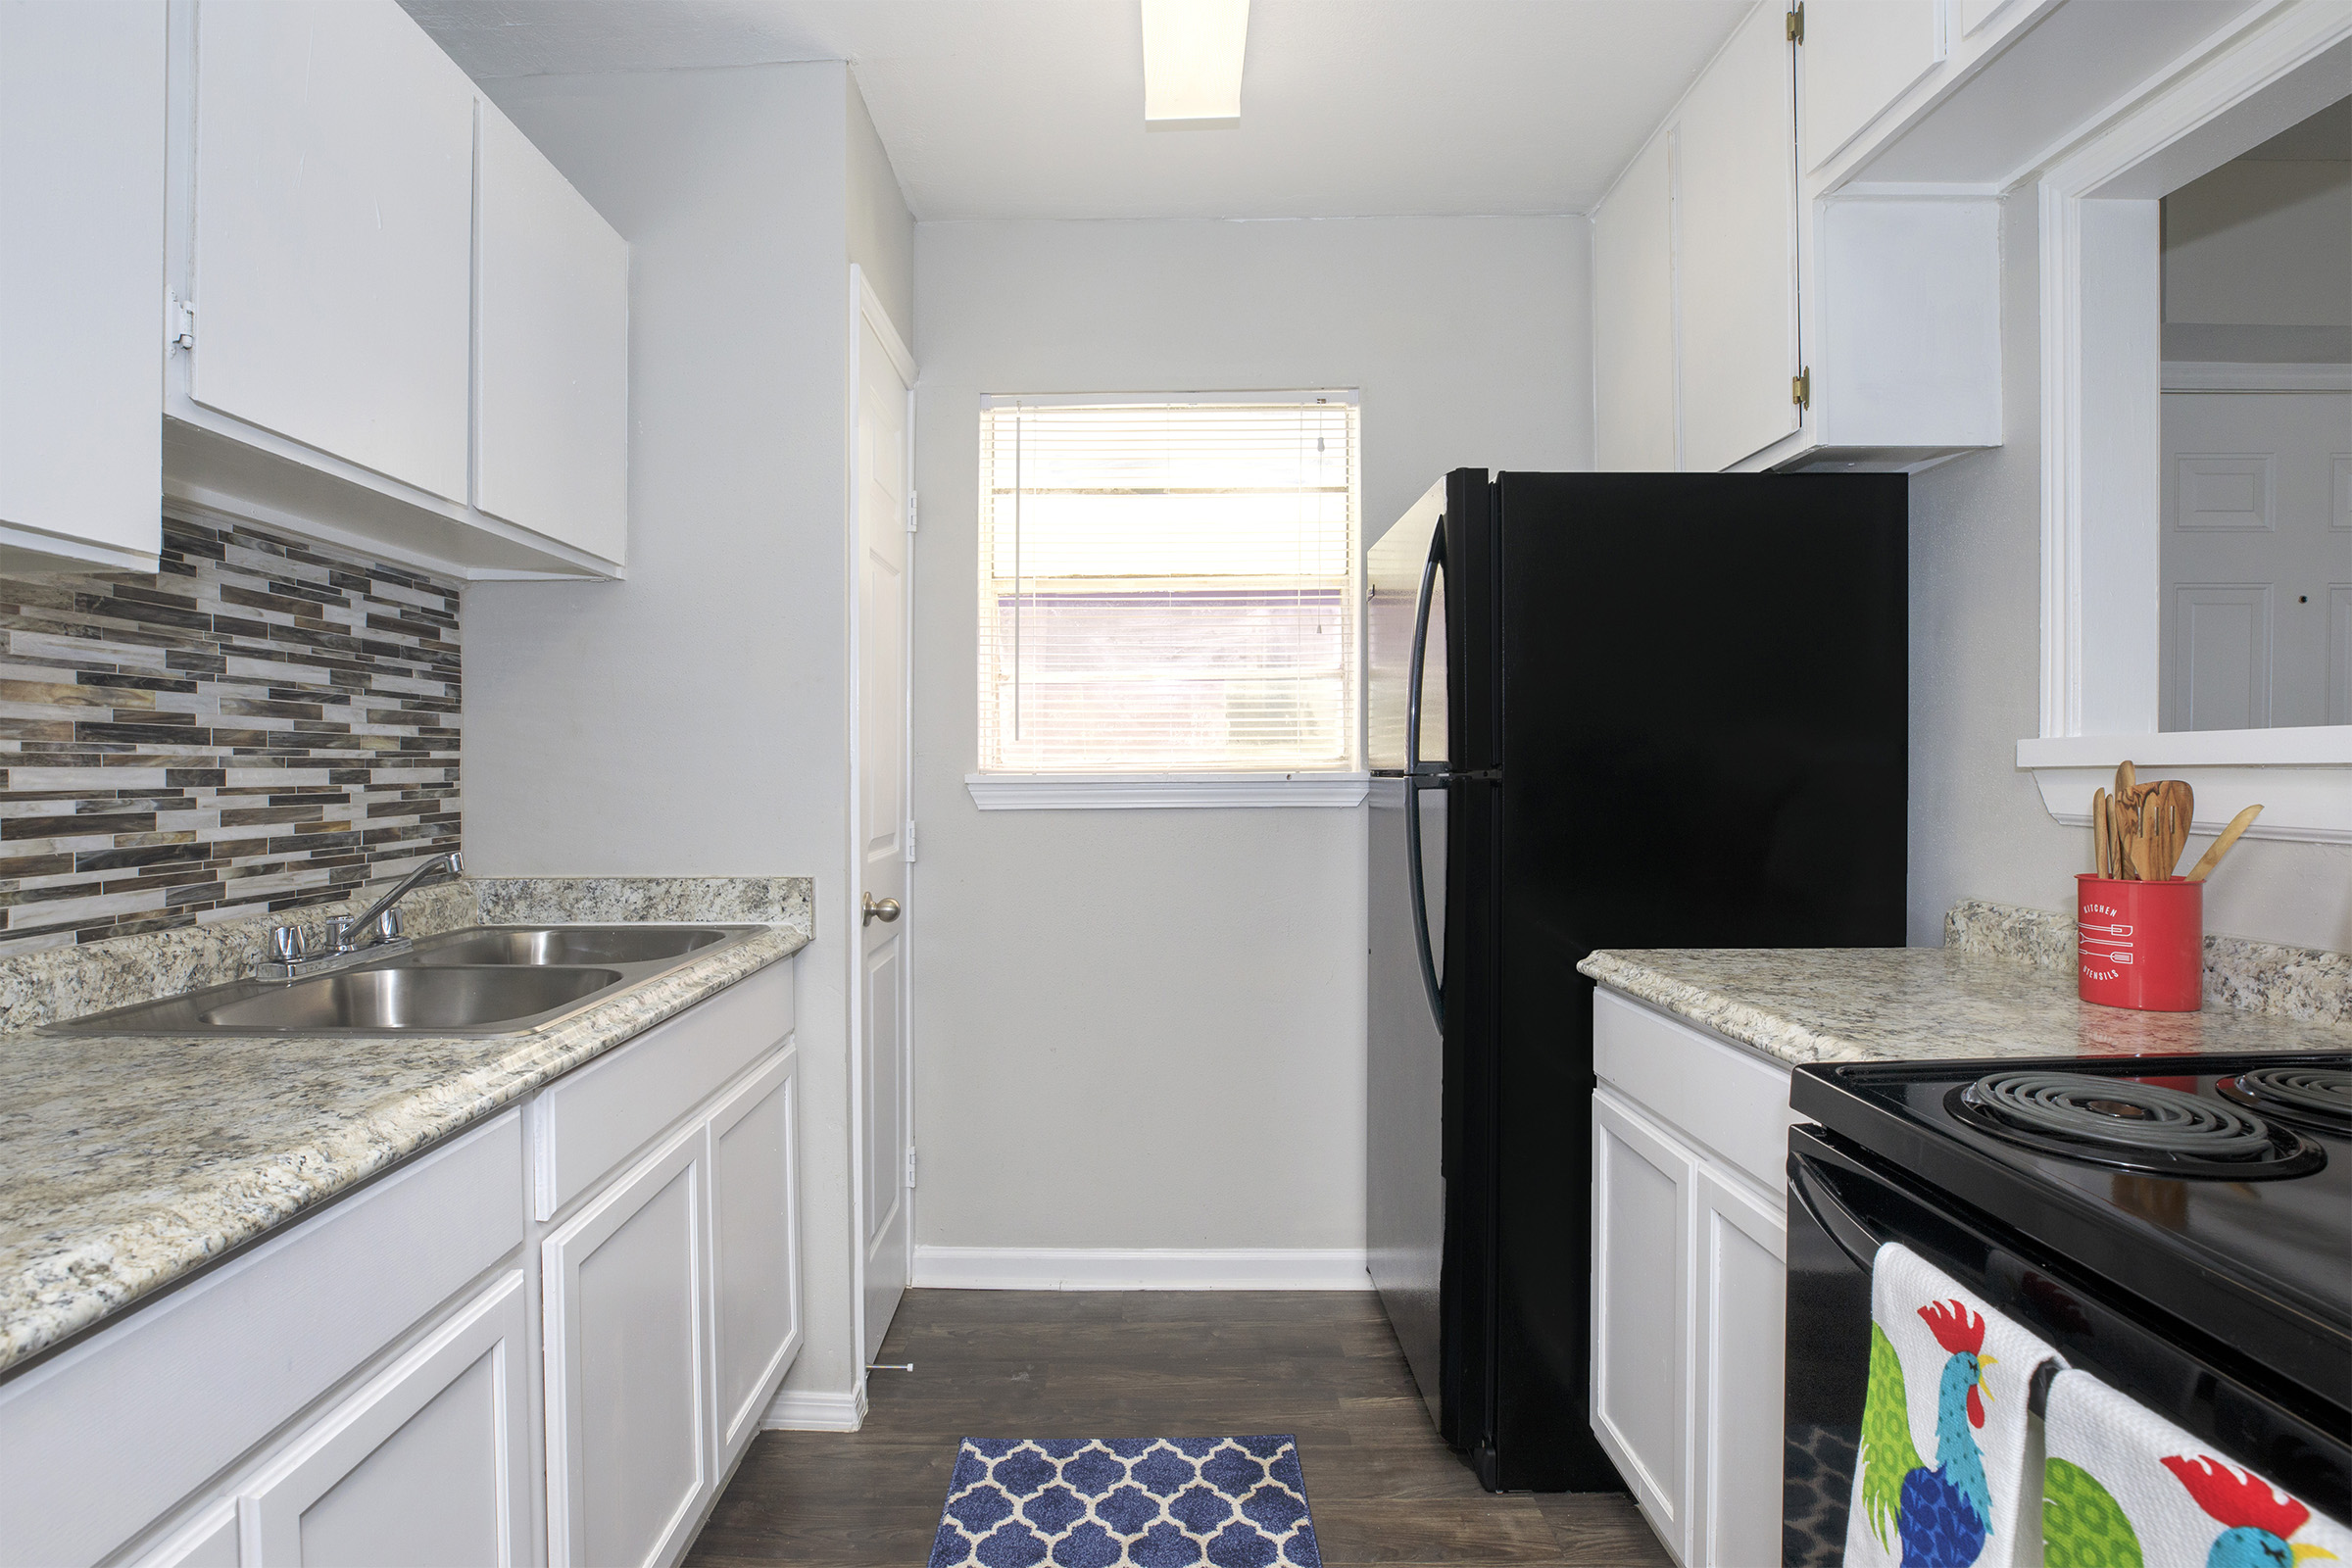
[(261, 724)]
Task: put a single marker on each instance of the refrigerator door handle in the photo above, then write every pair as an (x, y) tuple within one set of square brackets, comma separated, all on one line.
[(1419, 778)]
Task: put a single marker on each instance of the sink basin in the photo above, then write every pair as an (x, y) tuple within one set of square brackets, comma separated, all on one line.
[(562, 945), (480, 980), (419, 998)]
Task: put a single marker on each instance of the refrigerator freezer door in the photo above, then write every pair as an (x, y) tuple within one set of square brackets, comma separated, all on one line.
[(1405, 1184)]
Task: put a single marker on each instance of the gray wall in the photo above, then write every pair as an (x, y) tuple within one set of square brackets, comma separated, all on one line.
[(1145, 1029), (692, 719), (881, 231), (1978, 827)]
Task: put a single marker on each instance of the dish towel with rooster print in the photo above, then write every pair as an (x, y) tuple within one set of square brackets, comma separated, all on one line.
[(2124, 1488), (1946, 1476)]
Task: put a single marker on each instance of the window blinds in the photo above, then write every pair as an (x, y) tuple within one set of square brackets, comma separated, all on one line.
[(1166, 585)]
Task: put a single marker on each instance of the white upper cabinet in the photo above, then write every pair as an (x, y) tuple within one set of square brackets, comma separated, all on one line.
[(552, 403), (1760, 300), (392, 322), (1736, 263), (333, 226), (81, 273), (1860, 56), (1632, 340)]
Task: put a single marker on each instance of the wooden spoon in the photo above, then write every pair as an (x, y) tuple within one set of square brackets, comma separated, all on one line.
[(2178, 810), (2122, 814), (2221, 845), (2098, 830)]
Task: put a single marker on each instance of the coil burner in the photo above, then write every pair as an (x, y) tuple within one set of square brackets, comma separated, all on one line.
[(2317, 1097), (2129, 1125)]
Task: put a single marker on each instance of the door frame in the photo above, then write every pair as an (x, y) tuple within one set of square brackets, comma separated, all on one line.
[(866, 310)]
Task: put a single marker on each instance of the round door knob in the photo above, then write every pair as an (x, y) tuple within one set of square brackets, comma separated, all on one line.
[(882, 909)]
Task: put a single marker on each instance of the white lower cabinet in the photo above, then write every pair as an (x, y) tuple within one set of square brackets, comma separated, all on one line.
[(1641, 1182), (1741, 1254), (1690, 1281), (426, 1465), (626, 1288), (754, 1246), (360, 1390)]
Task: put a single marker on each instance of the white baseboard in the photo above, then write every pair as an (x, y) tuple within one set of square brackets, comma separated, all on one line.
[(1118, 1268), (814, 1411)]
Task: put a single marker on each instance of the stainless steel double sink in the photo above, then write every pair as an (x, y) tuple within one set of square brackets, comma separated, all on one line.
[(483, 980)]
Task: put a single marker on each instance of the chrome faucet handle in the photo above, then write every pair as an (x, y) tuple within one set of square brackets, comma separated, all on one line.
[(389, 924), (286, 943)]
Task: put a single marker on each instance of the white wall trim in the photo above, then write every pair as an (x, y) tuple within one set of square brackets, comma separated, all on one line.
[(2217, 376), (815, 1411), (1097, 792), (2101, 378), (1117, 1268), (2301, 778)]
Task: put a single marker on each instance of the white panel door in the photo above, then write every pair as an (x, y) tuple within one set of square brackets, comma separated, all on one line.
[(81, 270), (427, 1464), (1742, 1245), (1735, 258), (1633, 317), (2257, 552), (885, 1074), (1642, 1312), (333, 232), (629, 1462), (551, 397), (754, 1246), (1859, 57)]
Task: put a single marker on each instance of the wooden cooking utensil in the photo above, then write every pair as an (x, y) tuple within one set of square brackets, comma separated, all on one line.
[(2221, 845), (2098, 831), (2123, 816), (2177, 808)]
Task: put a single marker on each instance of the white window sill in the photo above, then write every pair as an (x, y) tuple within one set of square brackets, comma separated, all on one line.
[(2302, 778), (1146, 791)]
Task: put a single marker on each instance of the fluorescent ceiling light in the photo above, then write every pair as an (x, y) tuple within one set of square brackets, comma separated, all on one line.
[(1193, 62)]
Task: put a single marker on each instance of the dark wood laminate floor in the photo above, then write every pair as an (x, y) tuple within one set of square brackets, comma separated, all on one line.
[(1117, 1364)]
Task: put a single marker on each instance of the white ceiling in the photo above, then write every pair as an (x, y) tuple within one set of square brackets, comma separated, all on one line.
[(1034, 108)]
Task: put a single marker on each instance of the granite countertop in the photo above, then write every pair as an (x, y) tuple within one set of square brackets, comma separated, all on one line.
[(2003, 985), (127, 1162)]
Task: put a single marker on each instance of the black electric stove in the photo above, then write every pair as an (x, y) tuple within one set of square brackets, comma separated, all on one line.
[(2181, 1227)]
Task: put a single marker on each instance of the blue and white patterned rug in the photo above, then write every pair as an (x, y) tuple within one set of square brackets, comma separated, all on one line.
[(1153, 1502)]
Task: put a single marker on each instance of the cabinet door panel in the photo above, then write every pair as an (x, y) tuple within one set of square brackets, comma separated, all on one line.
[(422, 1465), (554, 290), (1860, 56), (1641, 1309), (1742, 1287), (333, 233), (81, 271), (628, 1449), (755, 1244), (1736, 257), (1633, 317)]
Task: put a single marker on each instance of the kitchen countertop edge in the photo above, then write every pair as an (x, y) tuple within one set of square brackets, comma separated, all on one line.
[(1802, 1005)]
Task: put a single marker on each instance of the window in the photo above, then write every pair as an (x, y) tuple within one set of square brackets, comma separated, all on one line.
[(1167, 584)]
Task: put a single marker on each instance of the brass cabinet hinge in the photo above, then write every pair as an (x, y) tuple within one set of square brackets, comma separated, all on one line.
[(1796, 24), (1800, 388)]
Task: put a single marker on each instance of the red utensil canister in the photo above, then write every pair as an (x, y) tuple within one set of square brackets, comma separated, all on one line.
[(2141, 943)]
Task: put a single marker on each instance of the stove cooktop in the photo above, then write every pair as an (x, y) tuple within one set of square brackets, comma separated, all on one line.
[(2219, 1190)]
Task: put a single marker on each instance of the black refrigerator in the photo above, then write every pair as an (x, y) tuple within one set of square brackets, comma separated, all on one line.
[(1602, 710)]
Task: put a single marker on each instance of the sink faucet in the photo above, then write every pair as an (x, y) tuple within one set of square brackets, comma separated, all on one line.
[(293, 952), (380, 920)]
